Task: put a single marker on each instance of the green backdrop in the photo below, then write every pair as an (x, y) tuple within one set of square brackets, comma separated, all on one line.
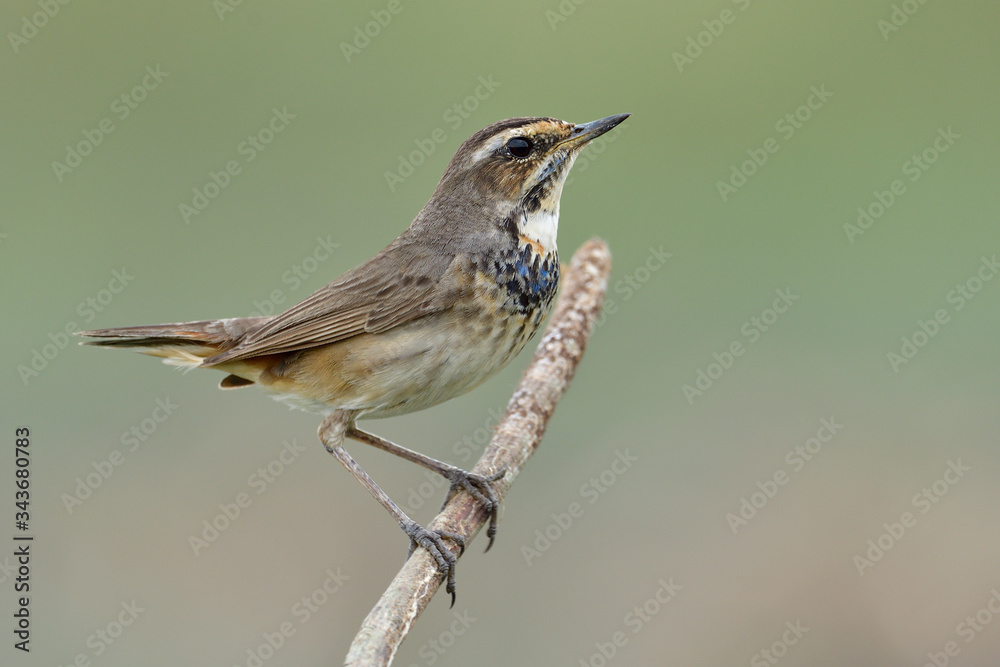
[(782, 440)]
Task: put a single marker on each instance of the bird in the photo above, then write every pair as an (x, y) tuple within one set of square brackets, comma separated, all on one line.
[(446, 305)]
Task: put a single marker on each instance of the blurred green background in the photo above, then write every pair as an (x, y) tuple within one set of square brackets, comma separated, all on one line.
[(713, 86)]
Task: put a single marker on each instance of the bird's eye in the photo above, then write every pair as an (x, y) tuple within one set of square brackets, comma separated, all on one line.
[(519, 147)]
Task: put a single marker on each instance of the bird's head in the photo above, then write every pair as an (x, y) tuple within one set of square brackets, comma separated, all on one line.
[(512, 174)]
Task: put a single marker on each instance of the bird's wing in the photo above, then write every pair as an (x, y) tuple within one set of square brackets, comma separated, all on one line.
[(400, 284)]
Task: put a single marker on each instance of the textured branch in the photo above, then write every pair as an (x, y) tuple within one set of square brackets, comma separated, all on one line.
[(516, 438)]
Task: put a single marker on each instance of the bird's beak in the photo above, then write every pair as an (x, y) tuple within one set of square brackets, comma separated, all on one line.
[(586, 132)]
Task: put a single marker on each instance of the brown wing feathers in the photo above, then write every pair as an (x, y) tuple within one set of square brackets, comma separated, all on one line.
[(394, 287)]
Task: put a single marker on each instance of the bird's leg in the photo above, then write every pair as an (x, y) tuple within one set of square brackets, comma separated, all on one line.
[(331, 434), (477, 485)]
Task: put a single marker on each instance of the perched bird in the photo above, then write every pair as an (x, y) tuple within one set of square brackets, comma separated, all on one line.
[(438, 311)]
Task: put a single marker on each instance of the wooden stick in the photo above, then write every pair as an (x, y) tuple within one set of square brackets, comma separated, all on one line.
[(516, 438)]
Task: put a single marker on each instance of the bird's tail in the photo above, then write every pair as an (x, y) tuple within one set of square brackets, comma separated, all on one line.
[(183, 344)]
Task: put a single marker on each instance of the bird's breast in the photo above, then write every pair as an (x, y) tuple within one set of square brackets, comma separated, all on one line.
[(526, 280)]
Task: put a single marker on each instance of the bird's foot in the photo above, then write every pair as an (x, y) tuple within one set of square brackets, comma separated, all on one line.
[(479, 487), (433, 542)]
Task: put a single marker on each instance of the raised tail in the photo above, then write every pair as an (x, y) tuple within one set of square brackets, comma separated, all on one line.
[(183, 344)]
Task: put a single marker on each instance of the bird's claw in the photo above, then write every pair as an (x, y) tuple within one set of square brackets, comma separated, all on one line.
[(433, 542), (479, 487)]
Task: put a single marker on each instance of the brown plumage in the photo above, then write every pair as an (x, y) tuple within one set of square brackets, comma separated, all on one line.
[(438, 311)]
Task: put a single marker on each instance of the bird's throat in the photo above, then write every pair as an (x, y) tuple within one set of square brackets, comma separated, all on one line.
[(539, 228)]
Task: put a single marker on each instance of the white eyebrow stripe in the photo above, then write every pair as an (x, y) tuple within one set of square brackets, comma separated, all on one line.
[(488, 149)]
